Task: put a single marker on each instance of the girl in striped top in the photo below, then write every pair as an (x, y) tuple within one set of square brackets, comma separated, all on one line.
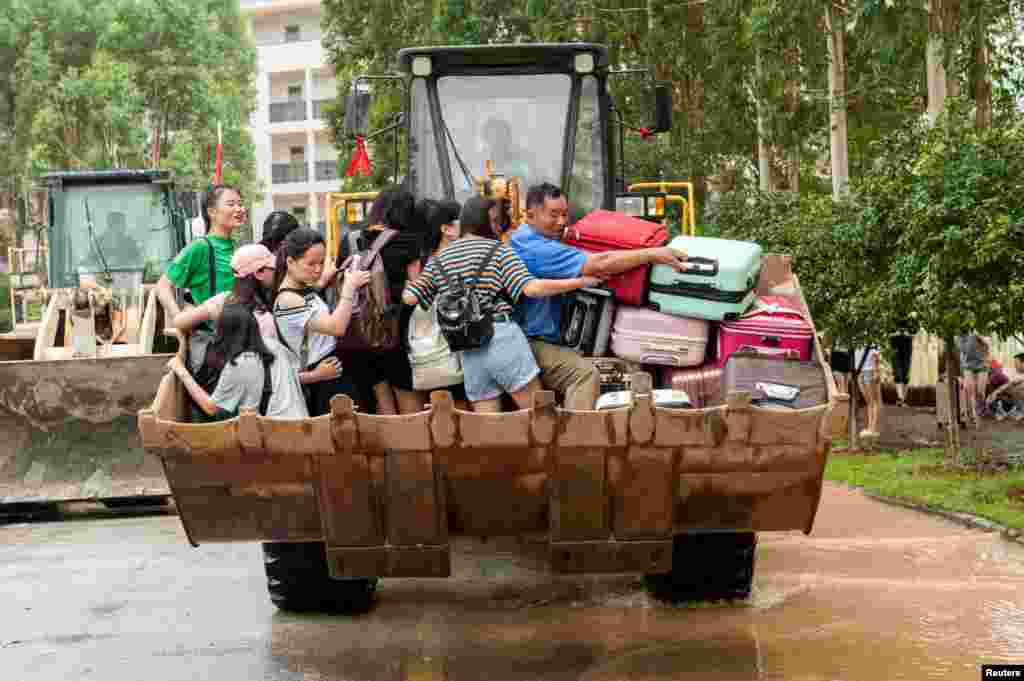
[(506, 364)]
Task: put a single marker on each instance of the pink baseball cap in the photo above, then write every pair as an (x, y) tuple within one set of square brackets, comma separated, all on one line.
[(250, 259)]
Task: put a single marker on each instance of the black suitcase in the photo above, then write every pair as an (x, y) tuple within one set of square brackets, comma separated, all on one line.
[(587, 316)]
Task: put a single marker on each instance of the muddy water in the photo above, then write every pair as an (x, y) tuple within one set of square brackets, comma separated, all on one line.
[(875, 593)]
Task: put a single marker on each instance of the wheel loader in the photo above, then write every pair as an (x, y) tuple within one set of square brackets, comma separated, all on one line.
[(347, 498), (68, 412)]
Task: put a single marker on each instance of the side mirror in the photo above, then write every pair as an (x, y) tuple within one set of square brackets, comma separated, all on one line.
[(661, 108), (357, 113)]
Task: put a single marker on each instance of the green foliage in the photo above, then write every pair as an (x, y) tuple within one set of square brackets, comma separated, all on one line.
[(90, 85), (931, 237)]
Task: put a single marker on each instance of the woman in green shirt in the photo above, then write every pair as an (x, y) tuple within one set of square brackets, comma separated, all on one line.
[(223, 213)]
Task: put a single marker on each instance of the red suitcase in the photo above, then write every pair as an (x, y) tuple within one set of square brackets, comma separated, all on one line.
[(702, 384), (772, 326), (605, 230)]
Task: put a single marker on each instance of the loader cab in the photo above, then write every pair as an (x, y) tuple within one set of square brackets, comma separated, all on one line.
[(530, 112), (116, 228)]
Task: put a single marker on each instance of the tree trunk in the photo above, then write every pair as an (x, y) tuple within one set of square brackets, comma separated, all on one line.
[(936, 71), (952, 374), (837, 102), (982, 79), (764, 160), (792, 103), (854, 397)]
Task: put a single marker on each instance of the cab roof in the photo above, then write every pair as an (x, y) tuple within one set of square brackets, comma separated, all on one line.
[(120, 176), (515, 57)]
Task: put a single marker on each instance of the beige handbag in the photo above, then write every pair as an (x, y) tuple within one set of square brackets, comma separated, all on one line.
[(433, 363)]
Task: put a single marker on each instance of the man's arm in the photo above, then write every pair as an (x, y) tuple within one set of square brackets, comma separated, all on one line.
[(614, 262)]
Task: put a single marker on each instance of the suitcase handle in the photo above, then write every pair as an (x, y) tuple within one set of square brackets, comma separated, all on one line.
[(656, 347), (701, 267), (785, 353)]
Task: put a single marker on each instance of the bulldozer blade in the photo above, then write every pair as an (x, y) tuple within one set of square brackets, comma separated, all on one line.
[(68, 430)]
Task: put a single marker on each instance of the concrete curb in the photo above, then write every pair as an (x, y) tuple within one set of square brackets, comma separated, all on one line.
[(965, 519)]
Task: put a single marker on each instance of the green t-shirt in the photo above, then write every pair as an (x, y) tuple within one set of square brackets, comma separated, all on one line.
[(191, 268)]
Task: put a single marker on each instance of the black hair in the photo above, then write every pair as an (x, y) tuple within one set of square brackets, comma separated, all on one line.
[(476, 219), (239, 332), (276, 228), (211, 198), (248, 291), (539, 193), (394, 207), (295, 246), (1020, 356), (436, 214)]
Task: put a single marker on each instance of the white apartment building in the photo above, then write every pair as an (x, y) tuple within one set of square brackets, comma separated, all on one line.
[(294, 155)]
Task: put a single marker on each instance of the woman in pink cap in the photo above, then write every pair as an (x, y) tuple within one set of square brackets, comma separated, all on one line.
[(253, 266)]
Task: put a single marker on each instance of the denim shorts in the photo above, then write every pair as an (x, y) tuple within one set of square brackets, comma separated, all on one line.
[(505, 365)]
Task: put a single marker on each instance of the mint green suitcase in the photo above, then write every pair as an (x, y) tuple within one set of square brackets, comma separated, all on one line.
[(719, 280)]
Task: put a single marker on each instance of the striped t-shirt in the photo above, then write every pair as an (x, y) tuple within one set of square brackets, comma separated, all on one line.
[(499, 287)]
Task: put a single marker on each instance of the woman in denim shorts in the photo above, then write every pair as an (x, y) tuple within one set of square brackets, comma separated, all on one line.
[(506, 363)]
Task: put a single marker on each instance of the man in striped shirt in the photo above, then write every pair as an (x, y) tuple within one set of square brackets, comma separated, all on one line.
[(499, 279)]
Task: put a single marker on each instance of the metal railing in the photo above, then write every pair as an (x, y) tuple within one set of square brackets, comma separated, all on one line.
[(326, 170), (284, 173), (290, 110)]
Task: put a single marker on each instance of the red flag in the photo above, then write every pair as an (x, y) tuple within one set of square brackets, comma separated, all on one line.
[(360, 164), (217, 175)]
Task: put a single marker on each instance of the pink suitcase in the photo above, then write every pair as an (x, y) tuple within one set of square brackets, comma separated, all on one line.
[(772, 326), (649, 337)]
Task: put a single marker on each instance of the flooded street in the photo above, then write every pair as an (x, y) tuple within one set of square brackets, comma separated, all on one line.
[(876, 592)]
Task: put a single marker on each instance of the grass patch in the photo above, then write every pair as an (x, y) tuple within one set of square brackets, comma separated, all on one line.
[(920, 476)]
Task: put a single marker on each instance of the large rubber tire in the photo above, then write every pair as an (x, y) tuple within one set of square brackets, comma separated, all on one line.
[(299, 581), (707, 567)]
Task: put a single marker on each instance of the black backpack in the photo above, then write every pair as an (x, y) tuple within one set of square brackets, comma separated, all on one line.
[(463, 321)]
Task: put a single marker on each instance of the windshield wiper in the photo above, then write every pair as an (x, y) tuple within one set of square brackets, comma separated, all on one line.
[(455, 150), (109, 278)]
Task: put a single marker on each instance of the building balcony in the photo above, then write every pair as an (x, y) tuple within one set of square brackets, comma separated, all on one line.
[(288, 110), (286, 173), (326, 170)]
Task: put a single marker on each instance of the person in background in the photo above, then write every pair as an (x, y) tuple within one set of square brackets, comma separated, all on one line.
[(223, 213), (387, 375), (973, 352), (276, 228), (902, 346), (254, 268), (506, 364), (242, 382), (305, 325), (868, 361), (1007, 399), (538, 243), (440, 219)]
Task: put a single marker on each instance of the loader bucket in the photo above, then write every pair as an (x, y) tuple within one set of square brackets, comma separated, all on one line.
[(69, 429), (605, 490)]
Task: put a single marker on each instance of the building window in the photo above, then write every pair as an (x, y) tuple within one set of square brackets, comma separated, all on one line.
[(300, 214), (291, 33), (295, 92)]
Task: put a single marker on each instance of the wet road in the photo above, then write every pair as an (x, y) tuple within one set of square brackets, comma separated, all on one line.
[(875, 593)]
